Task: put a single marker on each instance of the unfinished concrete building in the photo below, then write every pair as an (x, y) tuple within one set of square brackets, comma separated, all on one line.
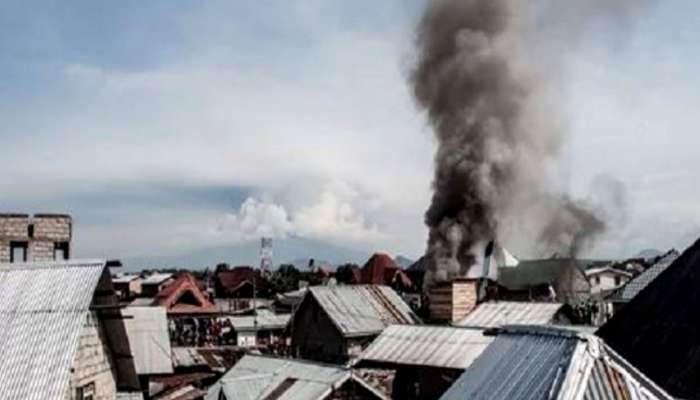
[(43, 237)]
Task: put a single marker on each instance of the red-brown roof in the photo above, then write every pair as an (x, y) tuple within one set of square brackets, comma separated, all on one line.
[(233, 279), (381, 269), (185, 285)]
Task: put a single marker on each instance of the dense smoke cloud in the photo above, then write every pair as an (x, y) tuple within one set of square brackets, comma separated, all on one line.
[(487, 74)]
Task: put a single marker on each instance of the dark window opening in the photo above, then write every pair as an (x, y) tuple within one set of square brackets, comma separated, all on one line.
[(61, 251), (189, 299), (18, 252), (85, 392)]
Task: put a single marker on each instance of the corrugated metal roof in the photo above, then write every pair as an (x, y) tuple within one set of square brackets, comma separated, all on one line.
[(125, 278), (187, 357), (42, 309), (253, 377), (500, 313), (533, 363), (149, 340), (516, 367), (641, 281), (265, 319), (363, 309), (435, 346), (156, 279)]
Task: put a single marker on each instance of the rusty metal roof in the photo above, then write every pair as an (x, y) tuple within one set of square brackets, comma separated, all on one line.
[(434, 346), (499, 313), (533, 363), (359, 310), (42, 310)]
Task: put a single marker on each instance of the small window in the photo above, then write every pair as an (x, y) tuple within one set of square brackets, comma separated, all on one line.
[(597, 280), (18, 252), (61, 251), (85, 392), (617, 281)]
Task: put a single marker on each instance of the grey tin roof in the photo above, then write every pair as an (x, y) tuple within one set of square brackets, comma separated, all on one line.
[(42, 309), (533, 363), (363, 309), (157, 278), (633, 287), (499, 313), (255, 377), (264, 320), (147, 329), (434, 346)]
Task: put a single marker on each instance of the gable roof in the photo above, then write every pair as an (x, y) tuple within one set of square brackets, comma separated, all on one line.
[(600, 270), (233, 279), (170, 296), (147, 328), (532, 363), (156, 278), (659, 329), (260, 377), (530, 273), (499, 313), (264, 320), (359, 310), (421, 345), (43, 307), (633, 287), (381, 269)]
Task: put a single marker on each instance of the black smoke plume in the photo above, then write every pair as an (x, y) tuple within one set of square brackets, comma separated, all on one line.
[(485, 74)]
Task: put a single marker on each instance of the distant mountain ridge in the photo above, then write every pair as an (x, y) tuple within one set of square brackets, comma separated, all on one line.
[(285, 251)]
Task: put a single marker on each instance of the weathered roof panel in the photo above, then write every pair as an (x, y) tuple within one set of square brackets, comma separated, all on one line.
[(532, 363), (147, 328), (34, 360), (499, 313), (434, 346), (363, 309), (265, 319), (255, 376), (633, 287), (516, 367)]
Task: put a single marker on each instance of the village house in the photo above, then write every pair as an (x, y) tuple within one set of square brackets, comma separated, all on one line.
[(616, 300), (381, 269), (426, 359), (43, 237), (238, 285), (127, 286), (604, 279), (155, 283), (334, 323), (556, 279), (657, 330), (264, 377), (62, 336), (525, 362), (147, 329), (263, 328)]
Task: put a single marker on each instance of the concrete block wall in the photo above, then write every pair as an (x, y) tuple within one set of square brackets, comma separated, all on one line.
[(54, 227), (41, 233), (93, 363), (13, 227)]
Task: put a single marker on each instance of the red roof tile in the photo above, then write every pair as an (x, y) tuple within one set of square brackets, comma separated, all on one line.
[(171, 297), (381, 269)]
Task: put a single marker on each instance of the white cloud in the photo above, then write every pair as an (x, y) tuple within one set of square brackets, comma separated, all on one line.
[(333, 216)]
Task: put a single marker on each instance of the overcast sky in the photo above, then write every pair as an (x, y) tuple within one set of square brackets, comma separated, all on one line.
[(163, 127)]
